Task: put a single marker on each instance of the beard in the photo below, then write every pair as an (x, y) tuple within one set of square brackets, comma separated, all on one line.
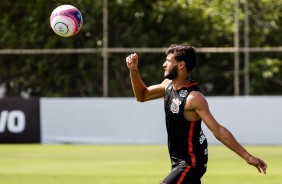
[(172, 74)]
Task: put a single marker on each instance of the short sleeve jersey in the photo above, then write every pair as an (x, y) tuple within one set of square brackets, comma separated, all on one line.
[(186, 140)]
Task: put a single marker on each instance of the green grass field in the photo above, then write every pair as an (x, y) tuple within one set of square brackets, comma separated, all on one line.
[(115, 164)]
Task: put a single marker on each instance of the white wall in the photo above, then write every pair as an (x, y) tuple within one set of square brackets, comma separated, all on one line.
[(102, 120), (252, 120)]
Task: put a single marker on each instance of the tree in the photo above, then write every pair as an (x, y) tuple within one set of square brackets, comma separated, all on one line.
[(133, 23)]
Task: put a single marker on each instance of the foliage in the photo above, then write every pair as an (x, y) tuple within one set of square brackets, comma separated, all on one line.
[(269, 71), (132, 23)]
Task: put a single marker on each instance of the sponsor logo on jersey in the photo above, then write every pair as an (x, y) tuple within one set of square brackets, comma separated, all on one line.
[(206, 151), (202, 137), (174, 107), (183, 93)]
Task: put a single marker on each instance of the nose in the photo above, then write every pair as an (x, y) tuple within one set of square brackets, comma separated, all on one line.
[(165, 64)]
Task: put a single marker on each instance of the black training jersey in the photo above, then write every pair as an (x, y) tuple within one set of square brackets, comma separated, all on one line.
[(186, 141)]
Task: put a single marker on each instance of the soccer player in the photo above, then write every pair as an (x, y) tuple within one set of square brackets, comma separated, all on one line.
[(185, 109)]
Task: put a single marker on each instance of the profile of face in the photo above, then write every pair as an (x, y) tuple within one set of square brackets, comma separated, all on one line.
[(170, 67)]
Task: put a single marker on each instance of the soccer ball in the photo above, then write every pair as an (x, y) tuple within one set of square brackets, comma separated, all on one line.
[(66, 20)]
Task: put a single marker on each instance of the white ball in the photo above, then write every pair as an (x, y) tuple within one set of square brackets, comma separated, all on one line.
[(66, 20)]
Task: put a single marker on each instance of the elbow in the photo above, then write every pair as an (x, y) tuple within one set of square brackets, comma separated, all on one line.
[(217, 136), (140, 100), (140, 97), (221, 134)]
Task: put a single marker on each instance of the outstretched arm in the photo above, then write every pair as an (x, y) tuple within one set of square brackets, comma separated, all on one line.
[(226, 137), (141, 91), (222, 134)]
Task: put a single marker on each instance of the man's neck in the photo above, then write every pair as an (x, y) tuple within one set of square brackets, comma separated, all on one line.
[(178, 84)]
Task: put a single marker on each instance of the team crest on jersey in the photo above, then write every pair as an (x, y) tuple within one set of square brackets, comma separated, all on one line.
[(174, 107), (183, 93)]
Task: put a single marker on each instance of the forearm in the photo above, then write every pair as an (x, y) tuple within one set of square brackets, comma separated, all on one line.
[(226, 137), (138, 85)]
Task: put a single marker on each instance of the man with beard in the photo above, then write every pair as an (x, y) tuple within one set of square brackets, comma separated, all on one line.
[(185, 108)]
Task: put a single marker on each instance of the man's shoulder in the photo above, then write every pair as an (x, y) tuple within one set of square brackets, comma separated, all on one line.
[(166, 83), (195, 98), (195, 94)]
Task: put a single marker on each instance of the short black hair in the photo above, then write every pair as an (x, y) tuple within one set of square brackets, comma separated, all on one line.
[(186, 53)]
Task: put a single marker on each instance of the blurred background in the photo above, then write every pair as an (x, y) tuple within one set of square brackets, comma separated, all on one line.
[(77, 90), (239, 45), (69, 91)]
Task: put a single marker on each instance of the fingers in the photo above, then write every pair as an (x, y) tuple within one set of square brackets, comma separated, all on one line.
[(261, 166), (264, 171), (258, 163), (261, 169), (128, 60), (258, 168), (131, 58)]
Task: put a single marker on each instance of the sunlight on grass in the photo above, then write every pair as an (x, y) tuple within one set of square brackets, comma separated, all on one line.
[(139, 164)]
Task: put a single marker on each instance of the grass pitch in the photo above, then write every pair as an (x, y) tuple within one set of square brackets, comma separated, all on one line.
[(126, 164)]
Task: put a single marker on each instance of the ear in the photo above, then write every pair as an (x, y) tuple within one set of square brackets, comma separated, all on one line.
[(182, 64)]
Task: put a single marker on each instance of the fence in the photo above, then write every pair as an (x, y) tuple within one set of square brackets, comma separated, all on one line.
[(222, 50), (244, 80)]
